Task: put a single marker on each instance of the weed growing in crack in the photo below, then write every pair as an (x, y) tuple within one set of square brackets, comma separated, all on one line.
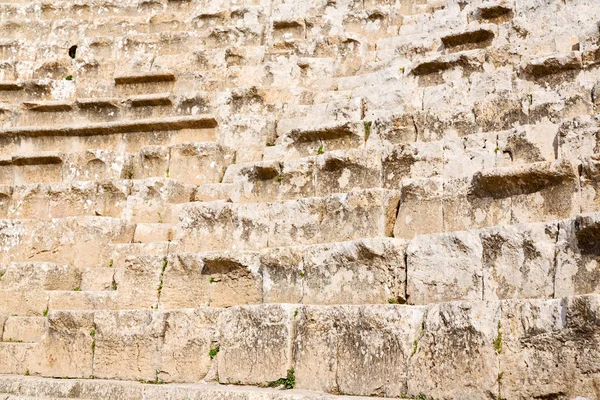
[(367, 129), (498, 340), (214, 351), (288, 382)]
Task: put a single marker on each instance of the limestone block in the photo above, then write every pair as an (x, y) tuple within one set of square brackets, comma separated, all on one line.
[(138, 281), (454, 355), (577, 256), (407, 161), (420, 211), (218, 279), (17, 358), (72, 300), (359, 214), (296, 222), (152, 161), (188, 339), (357, 272), (24, 329), (40, 275), (148, 233), (128, 344), (198, 163), (341, 349), (150, 199), (29, 302), (519, 261), (97, 279), (298, 179), (344, 171), (282, 274), (67, 347), (444, 267), (258, 182), (549, 348), (463, 211), (255, 344), (590, 184)]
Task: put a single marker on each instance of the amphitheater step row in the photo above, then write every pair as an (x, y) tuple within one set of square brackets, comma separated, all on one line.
[(28, 388), (513, 349), (546, 260), (196, 163)]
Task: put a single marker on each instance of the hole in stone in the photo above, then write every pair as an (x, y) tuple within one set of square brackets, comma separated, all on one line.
[(73, 51)]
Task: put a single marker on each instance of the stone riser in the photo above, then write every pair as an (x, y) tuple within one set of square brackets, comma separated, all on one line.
[(139, 201), (29, 388), (197, 164), (259, 344), (527, 261)]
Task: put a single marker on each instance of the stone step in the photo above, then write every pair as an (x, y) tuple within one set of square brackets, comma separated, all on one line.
[(316, 139), (147, 200), (194, 163), (509, 195), (129, 136), (545, 260), (347, 345), (252, 226), (24, 329), (80, 241), (13, 387)]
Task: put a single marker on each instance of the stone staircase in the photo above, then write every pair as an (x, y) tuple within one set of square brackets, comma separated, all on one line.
[(272, 199)]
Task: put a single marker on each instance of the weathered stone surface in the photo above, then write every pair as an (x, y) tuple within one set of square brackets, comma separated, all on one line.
[(444, 267), (549, 348), (453, 355), (255, 344), (342, 349)]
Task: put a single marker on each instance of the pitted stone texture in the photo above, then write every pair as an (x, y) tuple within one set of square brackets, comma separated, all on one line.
[(550, 348), (256, 344)]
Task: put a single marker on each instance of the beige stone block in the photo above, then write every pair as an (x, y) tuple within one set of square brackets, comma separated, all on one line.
[(421, 208), (188, 339), (24, 329), (454, 354), (255, 344), (20, 302), (128, 344), (40, 275), (68, 346), (148, 233), (547, 348), (345, 171), (444, 267), (577, 256), (75, 300), (138, 282), (343, 349), (199, 163)]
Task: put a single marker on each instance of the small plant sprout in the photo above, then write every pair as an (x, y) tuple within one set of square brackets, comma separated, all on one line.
[(110, 264), (93, 333), (26, 372), (212, 280), (77, 289), (288, 382), (498, 340), (69, 77), (45, 313), (320, 150), (214, 351), (280, 178), (368, 129)]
